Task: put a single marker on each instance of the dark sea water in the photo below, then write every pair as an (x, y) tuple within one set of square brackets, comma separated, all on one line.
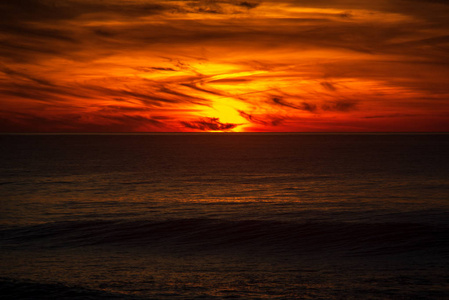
[(224, 216)]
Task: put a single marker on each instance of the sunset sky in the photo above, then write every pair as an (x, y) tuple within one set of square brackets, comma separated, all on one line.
[(241, 66)]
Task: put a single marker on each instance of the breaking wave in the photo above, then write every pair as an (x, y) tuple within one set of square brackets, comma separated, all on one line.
[(350, 238)]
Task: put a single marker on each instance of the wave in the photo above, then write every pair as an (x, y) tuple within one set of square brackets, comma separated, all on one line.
[(218, 235), (25, 289)]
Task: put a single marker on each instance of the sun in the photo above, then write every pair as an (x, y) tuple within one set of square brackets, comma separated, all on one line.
[(228, 112)]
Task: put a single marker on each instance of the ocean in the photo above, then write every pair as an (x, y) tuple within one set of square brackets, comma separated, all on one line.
[(224, 216)]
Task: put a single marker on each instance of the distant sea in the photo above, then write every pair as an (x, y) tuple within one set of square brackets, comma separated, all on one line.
[(218, 216)]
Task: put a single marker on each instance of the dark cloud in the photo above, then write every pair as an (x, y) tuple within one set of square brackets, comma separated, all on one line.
[(148, 93), (207, 124), (145, 97), (151, 69), (161, 69), (196, 87), (248, 5), (120, 109), (396, 115), (265, 121), (307, 107), (302, 106), (24, 75), (340, 105), (335, 34), (103, 32), (50, 33), (231, 80), (53, 10), (136, 121), (40, 29), (444, 2), (32, 95), (184, 96), (328, 86), (33, 10), (35, 31), (346, 15), (432, 11), (32, 50), (41, 92), (217, 6), (277, 121), (37, 10), (251, 118), (87, 122)]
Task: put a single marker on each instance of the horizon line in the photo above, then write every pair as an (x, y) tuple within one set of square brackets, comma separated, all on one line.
[(225, 133)]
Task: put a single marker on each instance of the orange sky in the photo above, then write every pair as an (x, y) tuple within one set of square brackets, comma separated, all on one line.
[(263, 66)]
